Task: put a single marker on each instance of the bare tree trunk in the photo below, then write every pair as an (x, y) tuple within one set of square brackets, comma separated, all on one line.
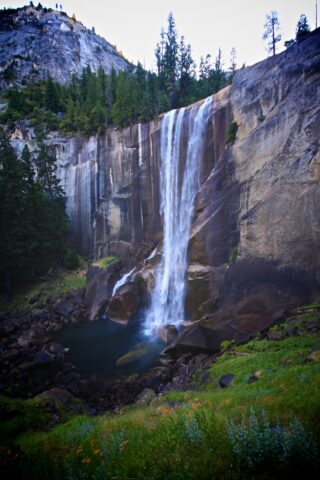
[(273, 40)]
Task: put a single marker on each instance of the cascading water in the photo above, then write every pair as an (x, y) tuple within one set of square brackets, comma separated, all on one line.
[(177, 199), (130, 276), (124, 279)]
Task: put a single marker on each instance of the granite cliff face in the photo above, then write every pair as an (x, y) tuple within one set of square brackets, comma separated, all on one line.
[(257, 223), (36, 43), (254, 247)]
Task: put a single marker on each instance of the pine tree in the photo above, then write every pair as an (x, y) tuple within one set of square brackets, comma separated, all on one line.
[(303, 28), (46, 169), (271, 32), (33, 206), (233, 63), (171, 59), (17, 101), (186, 68), (120, 107), (54, 217), (52, 100), (13, 192)]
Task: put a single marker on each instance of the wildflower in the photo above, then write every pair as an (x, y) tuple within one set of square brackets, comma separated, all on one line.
[(79, 450), (98, 450), (123, 444), (86, 460)]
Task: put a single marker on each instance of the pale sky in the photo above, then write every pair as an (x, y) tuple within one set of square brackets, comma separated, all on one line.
[(134, 25)]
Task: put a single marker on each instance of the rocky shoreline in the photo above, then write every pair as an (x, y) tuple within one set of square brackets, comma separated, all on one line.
[(33, 364)]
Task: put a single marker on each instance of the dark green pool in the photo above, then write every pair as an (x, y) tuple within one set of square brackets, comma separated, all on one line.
[(95, 347)]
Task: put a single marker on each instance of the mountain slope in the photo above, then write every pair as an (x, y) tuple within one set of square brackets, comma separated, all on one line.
[(36, 43)]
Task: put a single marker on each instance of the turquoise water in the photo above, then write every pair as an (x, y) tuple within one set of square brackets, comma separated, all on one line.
[(95, 347)]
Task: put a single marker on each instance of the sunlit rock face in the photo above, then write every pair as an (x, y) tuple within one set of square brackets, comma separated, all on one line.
[(36, 43)]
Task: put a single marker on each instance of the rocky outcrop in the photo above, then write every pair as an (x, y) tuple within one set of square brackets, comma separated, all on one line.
[(37, 43), (126, 303), (100, 282)]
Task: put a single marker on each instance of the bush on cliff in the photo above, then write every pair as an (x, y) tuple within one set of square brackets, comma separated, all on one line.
[(231, 132)]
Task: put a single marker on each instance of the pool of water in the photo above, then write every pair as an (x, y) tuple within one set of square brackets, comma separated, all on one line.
[(95, 347)]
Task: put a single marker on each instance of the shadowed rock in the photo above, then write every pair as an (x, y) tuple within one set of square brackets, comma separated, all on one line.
[(100, 282)]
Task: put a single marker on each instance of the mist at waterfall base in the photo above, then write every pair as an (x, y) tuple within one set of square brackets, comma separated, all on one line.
[(177, 206), (96, 346)]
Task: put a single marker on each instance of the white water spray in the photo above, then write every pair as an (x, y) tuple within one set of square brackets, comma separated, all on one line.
[(177, 199)]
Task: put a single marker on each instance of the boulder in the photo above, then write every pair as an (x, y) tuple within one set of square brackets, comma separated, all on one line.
[(25, 338), (197, 339), (64, 308), (226, 380), (100, 282), (58, 350), (314, 356), (56, 397), (43, 358), (145, 396), (129, 299), (202, 292)]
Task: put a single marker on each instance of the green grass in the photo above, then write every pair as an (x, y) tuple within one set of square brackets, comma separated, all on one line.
[(105, 262), (64, 282), (189, 440)]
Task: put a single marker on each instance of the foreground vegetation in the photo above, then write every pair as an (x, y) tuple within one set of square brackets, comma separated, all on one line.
[(267, 428)]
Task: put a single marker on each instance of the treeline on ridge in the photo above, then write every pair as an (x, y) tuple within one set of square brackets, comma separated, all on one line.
[(96, 100)]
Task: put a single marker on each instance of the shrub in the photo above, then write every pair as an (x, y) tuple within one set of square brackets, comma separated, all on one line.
[(261, 448), (193, 432), (231, 132), (233, 254)]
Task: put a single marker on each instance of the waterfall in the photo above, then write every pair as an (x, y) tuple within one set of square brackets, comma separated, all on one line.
[(124, 279), (177, 199)]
